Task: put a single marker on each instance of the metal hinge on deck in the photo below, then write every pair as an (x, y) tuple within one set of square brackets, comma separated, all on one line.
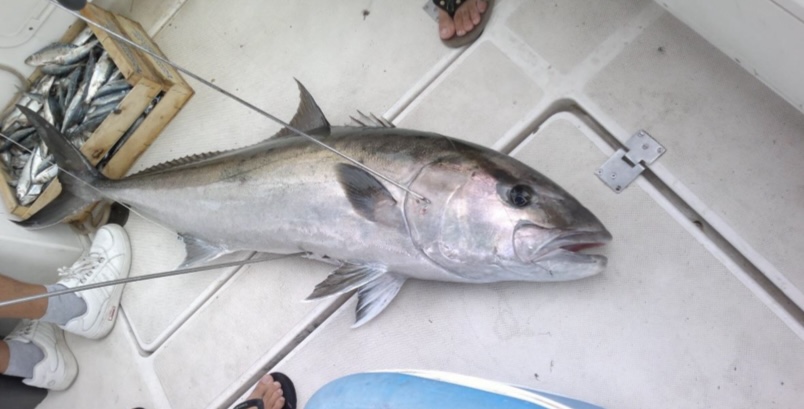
[(625, 165)]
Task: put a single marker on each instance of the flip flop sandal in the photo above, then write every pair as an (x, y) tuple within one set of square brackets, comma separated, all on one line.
[(450, 7), (288, 391)]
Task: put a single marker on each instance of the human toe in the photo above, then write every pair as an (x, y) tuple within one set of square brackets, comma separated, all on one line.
[(463, 21), (277, 401), (446, 26), (265, 387), (481, 6), (475, 13)]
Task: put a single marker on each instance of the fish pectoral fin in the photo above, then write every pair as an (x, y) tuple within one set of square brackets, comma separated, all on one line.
[(308, 116), (199, 251), (375, 296), (346, 278), (369, 198)]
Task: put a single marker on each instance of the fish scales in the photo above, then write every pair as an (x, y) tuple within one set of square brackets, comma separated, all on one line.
[(290, 171)]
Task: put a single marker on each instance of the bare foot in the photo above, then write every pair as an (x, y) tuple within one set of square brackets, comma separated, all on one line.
[(270, 392), (467, 16)]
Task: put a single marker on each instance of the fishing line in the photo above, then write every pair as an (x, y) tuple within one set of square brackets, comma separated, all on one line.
[(129, 208), (144, 277), (241, 101)]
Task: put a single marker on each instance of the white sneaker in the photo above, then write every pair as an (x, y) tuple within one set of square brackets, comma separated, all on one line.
[(109, 258), (58, 369)]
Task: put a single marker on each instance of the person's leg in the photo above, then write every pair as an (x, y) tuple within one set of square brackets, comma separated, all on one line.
[(36, 351), (90, 313), (3, 356), (11, 289), (57, 310)]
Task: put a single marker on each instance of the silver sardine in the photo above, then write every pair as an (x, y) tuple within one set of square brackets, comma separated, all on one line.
[(100, 73)]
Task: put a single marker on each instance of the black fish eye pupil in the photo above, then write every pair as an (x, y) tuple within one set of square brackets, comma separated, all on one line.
[(519, 196)]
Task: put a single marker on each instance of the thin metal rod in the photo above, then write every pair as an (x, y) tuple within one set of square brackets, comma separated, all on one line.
[(242, 102), (143, 278)]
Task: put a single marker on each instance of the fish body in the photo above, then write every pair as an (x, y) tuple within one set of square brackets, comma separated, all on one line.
[(76, 109), (26, 176), (33, 192), (55, 108), (47, 113), (47, 174), (85, 35), (100, 73), (100, 111), (73, 83), (18, 162), (51, 54), (62, 54), (58, 70), (112, 87), (486, 218), (16, 116), (112, 98), (18, 136)]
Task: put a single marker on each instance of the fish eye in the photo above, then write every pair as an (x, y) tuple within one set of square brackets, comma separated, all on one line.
[(520, 196)]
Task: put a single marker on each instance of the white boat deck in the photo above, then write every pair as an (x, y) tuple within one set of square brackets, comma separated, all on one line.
[(701, 305)]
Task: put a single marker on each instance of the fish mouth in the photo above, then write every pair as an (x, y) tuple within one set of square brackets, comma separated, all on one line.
[(534, 245)]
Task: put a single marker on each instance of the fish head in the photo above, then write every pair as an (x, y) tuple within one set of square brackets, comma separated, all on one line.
[(491, 218)]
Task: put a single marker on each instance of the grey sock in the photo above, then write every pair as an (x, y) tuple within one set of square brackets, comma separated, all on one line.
[(22, 358), (61, 309)]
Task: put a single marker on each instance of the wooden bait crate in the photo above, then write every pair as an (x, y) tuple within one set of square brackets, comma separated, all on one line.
[(148, 77)]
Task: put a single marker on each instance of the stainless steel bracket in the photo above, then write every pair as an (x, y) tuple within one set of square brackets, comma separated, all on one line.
[(625, 165)]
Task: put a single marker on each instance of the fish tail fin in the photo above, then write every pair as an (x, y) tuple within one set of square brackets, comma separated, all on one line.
[(78, 177)]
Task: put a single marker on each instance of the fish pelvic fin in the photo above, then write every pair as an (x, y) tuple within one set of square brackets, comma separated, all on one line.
[(373, 297), (77, 179), (308, 116), (367, 195), (346, 278), (199, 251)]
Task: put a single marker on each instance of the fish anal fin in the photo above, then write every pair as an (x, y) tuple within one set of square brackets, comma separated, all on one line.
[(308, 116), (346, 278), (199, 251), (368, 197), (375, 296)]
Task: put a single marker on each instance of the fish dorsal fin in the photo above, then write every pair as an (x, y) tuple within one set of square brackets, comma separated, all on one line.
[(199, 251), (372, 121), (346, 278), (375, 296), (185, 160), (308, 116)]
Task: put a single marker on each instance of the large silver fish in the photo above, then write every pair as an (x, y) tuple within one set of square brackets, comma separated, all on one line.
[(487, 217)]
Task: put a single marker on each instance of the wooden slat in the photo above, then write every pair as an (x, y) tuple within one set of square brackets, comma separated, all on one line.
[(148, 77), (167, 73), (174, 98), (116, 124), (128, 60)]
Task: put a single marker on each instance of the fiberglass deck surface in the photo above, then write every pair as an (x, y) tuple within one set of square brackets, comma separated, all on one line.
[(673, 322)]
